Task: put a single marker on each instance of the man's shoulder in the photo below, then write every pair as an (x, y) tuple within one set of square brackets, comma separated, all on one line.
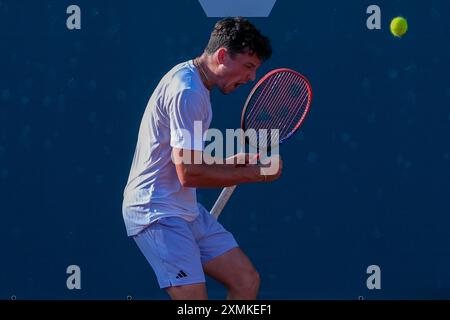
[(182, 73), (183, 76), (182, 80)]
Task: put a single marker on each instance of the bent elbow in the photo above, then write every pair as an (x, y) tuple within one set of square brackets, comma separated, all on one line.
[(186, 182), (186, 176)]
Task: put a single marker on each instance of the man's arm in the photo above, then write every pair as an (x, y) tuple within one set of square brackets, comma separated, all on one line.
[(193, 172)]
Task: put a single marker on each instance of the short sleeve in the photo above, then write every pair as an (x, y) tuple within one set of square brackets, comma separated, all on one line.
[(188, 119)]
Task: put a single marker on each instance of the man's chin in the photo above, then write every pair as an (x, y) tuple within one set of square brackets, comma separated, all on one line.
[(227, 90), (224, 91)]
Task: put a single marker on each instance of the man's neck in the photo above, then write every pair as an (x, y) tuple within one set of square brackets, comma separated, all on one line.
[(203, 64)]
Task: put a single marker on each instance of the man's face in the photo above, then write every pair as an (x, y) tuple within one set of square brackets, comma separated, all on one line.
[(237, 70)]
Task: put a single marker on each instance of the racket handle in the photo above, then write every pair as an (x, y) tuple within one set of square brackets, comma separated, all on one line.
[(222, 201)]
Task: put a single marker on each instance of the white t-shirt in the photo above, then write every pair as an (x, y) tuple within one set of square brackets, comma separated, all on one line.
[(153, 190)]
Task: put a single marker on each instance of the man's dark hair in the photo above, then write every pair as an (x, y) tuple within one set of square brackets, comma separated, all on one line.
[(238, 35)]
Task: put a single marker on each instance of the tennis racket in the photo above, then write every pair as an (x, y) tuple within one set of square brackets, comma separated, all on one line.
[(280, 100)]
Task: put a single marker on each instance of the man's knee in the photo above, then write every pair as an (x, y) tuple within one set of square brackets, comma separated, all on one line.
[(247, 281)]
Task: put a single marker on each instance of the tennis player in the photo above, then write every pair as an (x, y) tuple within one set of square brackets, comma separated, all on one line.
[(179, 238)]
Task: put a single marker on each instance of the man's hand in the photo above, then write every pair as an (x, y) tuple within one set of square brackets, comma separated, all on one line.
[(243, 159), (268, 170), (271, 168)]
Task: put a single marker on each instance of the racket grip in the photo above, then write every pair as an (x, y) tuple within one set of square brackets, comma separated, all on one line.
[(222, 201)]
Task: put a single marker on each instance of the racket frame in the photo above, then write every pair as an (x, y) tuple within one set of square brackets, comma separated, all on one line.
[(226, 193)]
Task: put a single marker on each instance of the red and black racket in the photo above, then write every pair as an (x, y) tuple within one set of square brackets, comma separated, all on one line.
[(280, 100)]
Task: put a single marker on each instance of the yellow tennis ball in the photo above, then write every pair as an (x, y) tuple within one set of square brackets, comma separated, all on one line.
[(399, 26)]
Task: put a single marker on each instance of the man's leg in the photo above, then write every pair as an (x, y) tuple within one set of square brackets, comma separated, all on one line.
[(235, 271), (188, 292), (171, 249)]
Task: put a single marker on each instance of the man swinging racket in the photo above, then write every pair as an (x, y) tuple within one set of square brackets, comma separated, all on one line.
[(179, 238)]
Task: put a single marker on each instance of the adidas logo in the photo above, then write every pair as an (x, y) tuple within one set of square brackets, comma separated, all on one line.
[(181, 274)]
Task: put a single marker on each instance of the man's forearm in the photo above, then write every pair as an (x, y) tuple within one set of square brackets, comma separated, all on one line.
[(219, 175)]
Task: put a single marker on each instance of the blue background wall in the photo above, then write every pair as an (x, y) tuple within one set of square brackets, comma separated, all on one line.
[(367, 181)]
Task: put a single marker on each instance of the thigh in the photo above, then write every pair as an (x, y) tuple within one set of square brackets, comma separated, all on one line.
[(221, 257), (171, 249), (230, 267)]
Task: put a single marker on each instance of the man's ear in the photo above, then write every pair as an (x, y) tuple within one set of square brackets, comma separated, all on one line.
[(221, 55)]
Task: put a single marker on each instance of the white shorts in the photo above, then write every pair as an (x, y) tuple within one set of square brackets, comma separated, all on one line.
[(177, 249)]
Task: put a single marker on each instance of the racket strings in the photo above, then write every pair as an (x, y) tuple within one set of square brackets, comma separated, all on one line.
[(262, 92), (274, 99), (281, 102), (256, 118), (301, 101), (270, 92), (264, 118), (280, 107)]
